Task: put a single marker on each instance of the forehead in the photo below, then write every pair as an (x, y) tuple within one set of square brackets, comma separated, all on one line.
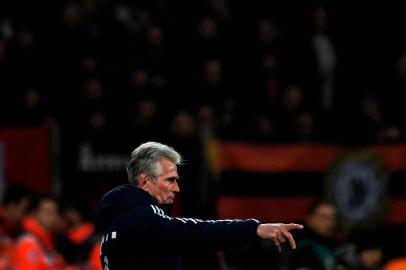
[(325, 209), (167, 167), (47, 204)]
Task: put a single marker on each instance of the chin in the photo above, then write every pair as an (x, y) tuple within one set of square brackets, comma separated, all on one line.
[(169, 201)]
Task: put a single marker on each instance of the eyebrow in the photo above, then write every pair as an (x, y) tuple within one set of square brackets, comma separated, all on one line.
[(173, 178)]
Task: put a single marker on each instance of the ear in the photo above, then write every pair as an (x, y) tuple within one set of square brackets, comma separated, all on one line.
[(142, 180)]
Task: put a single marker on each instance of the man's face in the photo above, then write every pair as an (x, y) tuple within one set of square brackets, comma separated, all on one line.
[(16, 211), (323, 220), (47, 214), (165, 186)]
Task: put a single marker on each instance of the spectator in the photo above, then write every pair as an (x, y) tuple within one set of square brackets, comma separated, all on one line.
[(362, 250), (294, 122), (395, 250), (325, 54), (371, 125), (14, 206), (36, 248), (80, 239), (316, 243)]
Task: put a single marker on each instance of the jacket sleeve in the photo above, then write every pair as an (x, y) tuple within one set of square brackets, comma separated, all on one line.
[(150, 225)]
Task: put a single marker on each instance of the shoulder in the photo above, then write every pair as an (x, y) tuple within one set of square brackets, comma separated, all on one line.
[(27, 238), (27, 242), (136, 216)]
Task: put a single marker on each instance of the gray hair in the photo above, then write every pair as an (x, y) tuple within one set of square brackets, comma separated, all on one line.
[(145, 158)]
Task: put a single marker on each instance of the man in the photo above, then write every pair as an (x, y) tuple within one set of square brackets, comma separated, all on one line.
[(12, 210), (79, 242), (35, 249), (317, 243), (139, 235)]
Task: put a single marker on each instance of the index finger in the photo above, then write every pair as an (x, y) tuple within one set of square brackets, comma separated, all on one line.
[(293, 226)]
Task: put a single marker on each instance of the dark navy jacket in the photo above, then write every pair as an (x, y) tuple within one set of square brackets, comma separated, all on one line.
[(137, 234)]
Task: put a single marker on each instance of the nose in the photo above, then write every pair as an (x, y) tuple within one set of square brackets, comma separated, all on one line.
[(175, 187)]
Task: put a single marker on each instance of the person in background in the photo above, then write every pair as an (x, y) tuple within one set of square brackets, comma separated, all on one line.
[(35, 249), (370, 255), (79, 241), (395, 252), (316, 243), (396, 264), (14, 206)]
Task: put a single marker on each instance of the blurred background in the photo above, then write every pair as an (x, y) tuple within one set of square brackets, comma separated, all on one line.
[(285, 111)]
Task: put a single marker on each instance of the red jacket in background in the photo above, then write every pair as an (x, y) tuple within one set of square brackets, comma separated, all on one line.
[(35, 249)]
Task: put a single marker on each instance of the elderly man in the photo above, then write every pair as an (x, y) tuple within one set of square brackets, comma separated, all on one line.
[(138, 234)]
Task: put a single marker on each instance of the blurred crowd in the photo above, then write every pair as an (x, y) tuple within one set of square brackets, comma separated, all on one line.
[(262, 72), (38, 231), (322, 245), (184, 72)]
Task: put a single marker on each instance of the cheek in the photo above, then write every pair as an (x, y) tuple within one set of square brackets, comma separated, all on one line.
[(164, 188)]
